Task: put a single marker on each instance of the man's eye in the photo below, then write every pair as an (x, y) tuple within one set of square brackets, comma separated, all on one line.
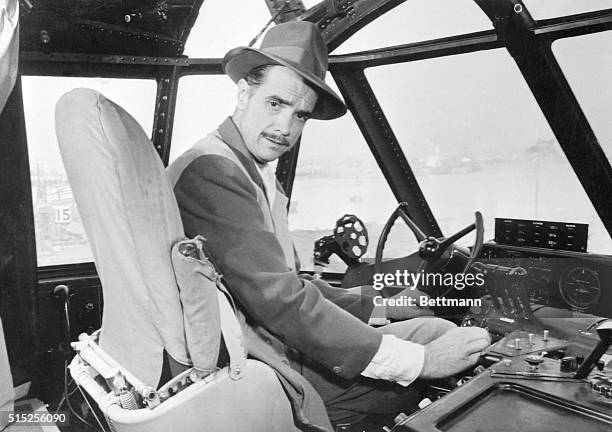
[(302, 117), (274, 104)]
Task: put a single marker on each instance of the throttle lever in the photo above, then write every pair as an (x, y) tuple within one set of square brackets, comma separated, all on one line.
[(604, 331)]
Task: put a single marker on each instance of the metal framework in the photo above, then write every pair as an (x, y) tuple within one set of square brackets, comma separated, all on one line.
[(536, 61), (528, 41)]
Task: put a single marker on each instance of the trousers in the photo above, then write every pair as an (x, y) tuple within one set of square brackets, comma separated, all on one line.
[(350, 401)]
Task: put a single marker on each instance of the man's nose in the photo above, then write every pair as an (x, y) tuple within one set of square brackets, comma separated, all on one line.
[(283, 122)]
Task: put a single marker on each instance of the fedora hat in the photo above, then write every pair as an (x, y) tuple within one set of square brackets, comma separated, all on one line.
[(299, 46)]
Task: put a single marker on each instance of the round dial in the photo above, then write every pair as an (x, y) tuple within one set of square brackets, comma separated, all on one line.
[(580, 287)]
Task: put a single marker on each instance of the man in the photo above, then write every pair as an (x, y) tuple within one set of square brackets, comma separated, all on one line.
[(227, 192)]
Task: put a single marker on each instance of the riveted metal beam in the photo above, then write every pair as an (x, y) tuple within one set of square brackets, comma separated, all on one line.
[(165, 104), (94, 65), (32, 56), (575, 25), (422, 50)]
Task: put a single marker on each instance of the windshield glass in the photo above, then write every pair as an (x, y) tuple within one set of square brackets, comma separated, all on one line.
[(347, 180), (241, 21), (478, 141), (202, 103), (60, 235), (587, 64)]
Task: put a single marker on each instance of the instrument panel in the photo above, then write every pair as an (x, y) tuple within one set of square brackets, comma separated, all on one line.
[(568, 280)]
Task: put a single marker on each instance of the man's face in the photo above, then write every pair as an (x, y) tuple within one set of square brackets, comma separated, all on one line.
[(271, 116)]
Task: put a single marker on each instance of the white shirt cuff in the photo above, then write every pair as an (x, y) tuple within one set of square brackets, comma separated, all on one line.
[(396, 360), (378, 316)]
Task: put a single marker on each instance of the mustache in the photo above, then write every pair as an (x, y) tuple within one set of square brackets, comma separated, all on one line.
[(276, 138)]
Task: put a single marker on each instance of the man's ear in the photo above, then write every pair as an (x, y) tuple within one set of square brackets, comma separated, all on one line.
[(244, 93)]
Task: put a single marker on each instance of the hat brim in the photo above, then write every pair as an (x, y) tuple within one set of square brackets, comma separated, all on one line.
[(238, 62)]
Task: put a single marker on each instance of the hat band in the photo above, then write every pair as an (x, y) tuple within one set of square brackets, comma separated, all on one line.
[(301, 58)]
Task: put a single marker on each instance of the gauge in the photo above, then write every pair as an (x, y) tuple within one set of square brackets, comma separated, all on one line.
[(580, 287)]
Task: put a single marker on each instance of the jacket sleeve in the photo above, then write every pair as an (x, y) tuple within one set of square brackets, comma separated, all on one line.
[(359, 305), (217, 201)]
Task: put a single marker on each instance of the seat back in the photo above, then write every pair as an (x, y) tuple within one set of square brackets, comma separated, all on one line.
[(132, 220)]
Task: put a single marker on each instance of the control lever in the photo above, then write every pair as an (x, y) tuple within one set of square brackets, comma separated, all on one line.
[(63, 294), (349, 241), (604, 331)]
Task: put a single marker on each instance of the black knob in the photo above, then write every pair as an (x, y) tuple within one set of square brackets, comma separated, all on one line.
[(567, 364), (600, 365), (579, 359)]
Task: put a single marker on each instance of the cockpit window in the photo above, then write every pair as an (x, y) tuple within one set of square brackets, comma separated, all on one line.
[(222, 25), (543, 9), (202, 103), (587, 64), (418, 20), (337, 175), (60, 237), (477, 140)]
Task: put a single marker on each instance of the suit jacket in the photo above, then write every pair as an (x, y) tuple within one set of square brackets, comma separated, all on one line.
[(221, 196)]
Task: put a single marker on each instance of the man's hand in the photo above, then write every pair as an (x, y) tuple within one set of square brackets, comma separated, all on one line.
[(400, 313), (454, 351)]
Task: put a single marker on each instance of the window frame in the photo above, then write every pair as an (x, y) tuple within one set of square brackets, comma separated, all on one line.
[(68, 65)]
